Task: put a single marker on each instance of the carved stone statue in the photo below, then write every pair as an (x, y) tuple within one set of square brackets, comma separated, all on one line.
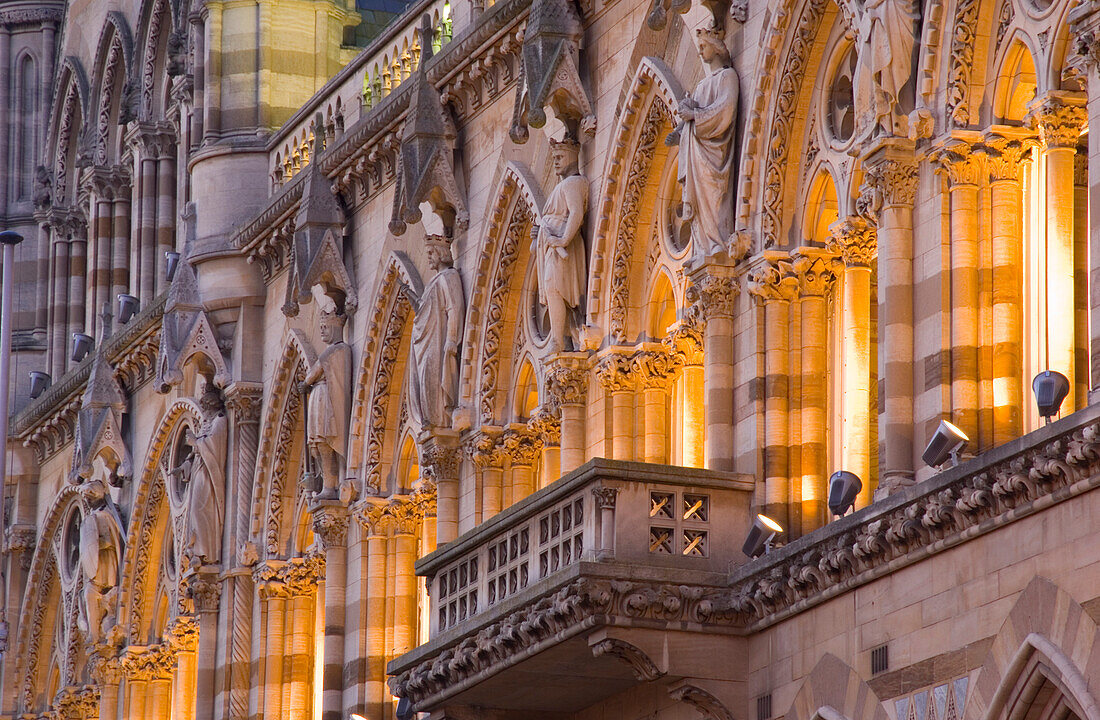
[(43, 187), (436, 336), (100, 550), (559, 245), (206, 492), (887, 34), (706, 162), (330, 402)]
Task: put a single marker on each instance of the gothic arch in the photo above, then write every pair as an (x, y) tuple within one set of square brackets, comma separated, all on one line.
[(113, 69), (834, 691), (145, 536), (1045, 627), (156, 27), (67, 126), (281, 442), (384, 352), (637, 154), (500, 275), (1013, 56)]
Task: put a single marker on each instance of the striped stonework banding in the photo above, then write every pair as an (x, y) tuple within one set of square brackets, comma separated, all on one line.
[(773, 288), (890, 184), (717, 290), (78, 265), (1003, 160), (1081, 277), (963, 169), (120, 242)]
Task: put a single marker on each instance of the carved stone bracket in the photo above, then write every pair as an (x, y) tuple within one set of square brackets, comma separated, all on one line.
[(704, 702), (550, 73), (641, 665), (854, 240)]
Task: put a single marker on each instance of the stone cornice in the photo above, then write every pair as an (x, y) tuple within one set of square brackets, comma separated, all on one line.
[(31, 16)]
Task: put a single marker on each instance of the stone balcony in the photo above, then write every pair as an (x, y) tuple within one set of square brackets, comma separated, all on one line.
[(608, 529), (621, 608)]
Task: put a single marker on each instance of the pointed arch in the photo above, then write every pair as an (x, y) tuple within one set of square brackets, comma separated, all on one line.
[(1045, 627), (834, 691), (281, 443), (638, 152), (156, 27), (517, 205), (1014, 80), (71, 103), (113, 68)]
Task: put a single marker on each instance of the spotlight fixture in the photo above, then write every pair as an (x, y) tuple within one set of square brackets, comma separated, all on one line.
[(127, 307), (172, 261), (761, 534), (844, 486), (947, 442), (356, 716), (39, 382), (82, 345), (405, 709), (1050, 388)]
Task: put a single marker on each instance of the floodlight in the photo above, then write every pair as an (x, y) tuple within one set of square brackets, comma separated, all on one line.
[(1050, 388), (844, 486), (172, 261), (39, 382), (947, 442), (127, 306), (82, 345), (759, 539)]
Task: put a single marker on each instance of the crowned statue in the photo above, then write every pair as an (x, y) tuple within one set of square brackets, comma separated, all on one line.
[(436, 337), (706, 161), (100, 551), (329, 405), (206, 483), (559, 243)]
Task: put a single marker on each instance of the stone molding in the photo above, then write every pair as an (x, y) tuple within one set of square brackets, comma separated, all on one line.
[(704, 702), (31, 16), (640, 664)]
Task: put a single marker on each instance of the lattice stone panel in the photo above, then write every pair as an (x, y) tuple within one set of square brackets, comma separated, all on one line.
[(560, 536), (507, 570), (458, 593), (679, 523)]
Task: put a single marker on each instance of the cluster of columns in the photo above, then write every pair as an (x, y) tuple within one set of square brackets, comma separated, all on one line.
[(506, 465)]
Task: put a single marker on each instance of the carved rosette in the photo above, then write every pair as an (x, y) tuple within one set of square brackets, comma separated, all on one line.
[(960, 163), (605, 497), (566, 382), (1058, 121), (615, 373), (854, 240), (815, 276), (1003, 157)]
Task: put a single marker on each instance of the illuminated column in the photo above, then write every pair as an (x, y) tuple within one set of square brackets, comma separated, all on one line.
[(330, 523), (521, 447), (815, 281), (567, 389), (440, 460), (547, 426), (106, 672), (654, 372), (963, 169), (685, 346), (302, 578), (617, 379), (273, 596), (891, 180), (853, 238), (183, 640), (484, 450), (717, 301), (1059, 123), (204, 592), (149, 682), (773, 289), (407, 519), (374, 624), (1003, 158)]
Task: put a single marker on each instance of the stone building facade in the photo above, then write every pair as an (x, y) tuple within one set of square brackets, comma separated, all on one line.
[(455, 367)]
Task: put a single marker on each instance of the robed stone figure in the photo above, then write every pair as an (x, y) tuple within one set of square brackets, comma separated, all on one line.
[(330, 402), (100, 549), (436, 337), (706, 161), (206, 486), (559, 243), (887, 32)]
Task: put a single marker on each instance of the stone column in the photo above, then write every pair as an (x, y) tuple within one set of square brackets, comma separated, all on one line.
[(375, 525), (147, 230), (815, 277), (406, 523), (330, 523), (105, 670), (717, 292), (183, 640), (440, 455), (204, 592), (484, 450), (1003, 159), (546, 425), (78, 266), (1059, 119), (59, 304), (100, 234), (685, 345), (963, 168), (654, 370), (120, 242), (302, 576), (1081, 372), (567, 390), (616, 376), (890, 188), (522, 447), (148, 673), (1086, 31), (773, 288), (166, 206), (273, 596)]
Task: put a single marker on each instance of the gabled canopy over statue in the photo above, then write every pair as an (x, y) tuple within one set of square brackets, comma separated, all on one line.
[(887, 35), (436, 337), (706, 162), (559, 243), (329, 382)]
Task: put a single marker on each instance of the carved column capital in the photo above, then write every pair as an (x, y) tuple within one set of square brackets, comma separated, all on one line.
[(301, 575), (183, 634), (202, 589), (684, 341), (155, 662), (268, 581), (245, 401), (439, 458), (1059, 120), (567, 379), (1004, 157), (547, 425), (330, 523), (77, 703), (104, 669), (19, 540), (483, 447), (521, 446), (889, 180), (406, 515), (615, 372), (716, 291), (654, 369), (373, 518), (773, 281), (855, 240), (815, 275), (605, 497), (959, 162)]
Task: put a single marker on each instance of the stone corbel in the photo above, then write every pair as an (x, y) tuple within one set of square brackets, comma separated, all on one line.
[(640, 664), (549, 74), (658, 12), (186, 332), (704, 702), (426, 159)]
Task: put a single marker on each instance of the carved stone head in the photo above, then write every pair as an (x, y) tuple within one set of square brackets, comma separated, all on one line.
[(332, 326), (565, 154), (712, 45), (439, 251)]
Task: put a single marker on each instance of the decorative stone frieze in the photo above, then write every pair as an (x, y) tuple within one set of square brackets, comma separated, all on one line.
[(854, 240), (31, 16)]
